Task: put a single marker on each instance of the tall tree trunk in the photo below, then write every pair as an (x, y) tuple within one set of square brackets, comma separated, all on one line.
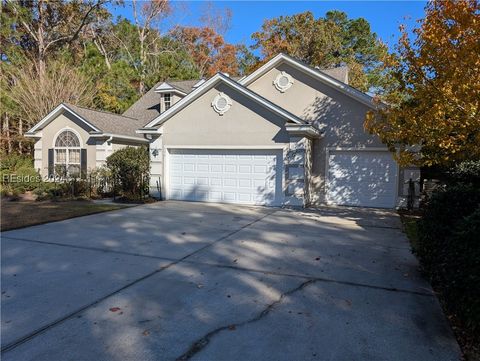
[(143, 61), (98, 43), (41, 42), (6, 135), (20, 135)]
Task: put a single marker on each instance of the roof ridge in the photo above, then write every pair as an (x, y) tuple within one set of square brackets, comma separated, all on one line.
[(100, 111), (173, 80)]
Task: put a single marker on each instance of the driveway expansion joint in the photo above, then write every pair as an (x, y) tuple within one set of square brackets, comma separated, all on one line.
[(87, 248), (319, 279), (202, 342)]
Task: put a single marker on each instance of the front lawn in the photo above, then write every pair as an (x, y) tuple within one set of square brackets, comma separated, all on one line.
[(23, 214)]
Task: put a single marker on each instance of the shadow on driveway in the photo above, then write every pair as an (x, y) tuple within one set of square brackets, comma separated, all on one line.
[(177, 280)]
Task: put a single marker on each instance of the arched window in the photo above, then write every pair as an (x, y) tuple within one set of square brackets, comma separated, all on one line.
[(67, 154)]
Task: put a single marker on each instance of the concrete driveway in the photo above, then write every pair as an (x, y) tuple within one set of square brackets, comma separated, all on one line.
[(177, 280)]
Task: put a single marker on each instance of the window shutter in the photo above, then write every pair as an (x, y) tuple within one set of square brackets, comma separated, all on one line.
[(51, 170), (83, 163)]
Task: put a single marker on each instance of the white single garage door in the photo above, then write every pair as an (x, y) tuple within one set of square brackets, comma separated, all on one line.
[(362, 178), (230, 176)]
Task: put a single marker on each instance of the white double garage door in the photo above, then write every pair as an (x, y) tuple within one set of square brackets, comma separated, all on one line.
[(228, 176), (356, 178)]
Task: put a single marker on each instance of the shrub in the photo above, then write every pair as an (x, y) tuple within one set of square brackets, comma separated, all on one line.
[(18, 175), (444, 210), (459, 271), (71, 189), (130, 168), (449, 246)]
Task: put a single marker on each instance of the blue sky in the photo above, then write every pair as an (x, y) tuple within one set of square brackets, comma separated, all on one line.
[(248, 16)]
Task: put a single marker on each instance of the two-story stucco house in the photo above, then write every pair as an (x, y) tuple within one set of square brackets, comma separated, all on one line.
[(287, 134)]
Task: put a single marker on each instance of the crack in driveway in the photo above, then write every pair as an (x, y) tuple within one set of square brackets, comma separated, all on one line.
[(202, 342)]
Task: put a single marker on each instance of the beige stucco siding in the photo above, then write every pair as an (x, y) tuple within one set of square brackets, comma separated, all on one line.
[(98, 149), (339, 116), (246, 123), (61, 122)]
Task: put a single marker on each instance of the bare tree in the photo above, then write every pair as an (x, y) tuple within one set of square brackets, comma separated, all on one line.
[(145, 15), (35, 97), (216, 18), (52, 24)]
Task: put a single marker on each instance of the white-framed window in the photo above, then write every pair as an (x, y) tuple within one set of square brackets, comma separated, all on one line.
[(67, 152), (167, 101)]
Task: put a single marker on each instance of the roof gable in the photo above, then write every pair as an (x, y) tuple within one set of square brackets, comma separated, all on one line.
[(204, 87), (60, 109), (98, 121), (317, 74)]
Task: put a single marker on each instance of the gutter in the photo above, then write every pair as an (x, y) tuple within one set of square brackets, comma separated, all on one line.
[(117, 136), (32, 135), (148, 131), (304, 130)]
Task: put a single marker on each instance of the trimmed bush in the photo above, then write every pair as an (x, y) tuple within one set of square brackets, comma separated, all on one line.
[(130, 168)]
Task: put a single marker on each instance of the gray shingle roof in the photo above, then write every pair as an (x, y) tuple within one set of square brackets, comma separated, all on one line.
[(108, 122), (185, 86), (147, 107), (340, 73)]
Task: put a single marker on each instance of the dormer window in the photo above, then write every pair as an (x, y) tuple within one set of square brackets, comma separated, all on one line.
[(167, 101)]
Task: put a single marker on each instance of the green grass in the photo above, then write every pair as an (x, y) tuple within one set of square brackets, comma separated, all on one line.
[(410, 225)]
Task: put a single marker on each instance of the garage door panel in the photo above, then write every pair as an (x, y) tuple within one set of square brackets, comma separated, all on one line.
[(362, 178), (238, 176)]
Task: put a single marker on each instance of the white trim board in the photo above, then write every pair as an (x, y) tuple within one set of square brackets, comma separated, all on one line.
[(314, 73), (167, 88), (202, 89), (237, 147), (118, 136), (57, 111)]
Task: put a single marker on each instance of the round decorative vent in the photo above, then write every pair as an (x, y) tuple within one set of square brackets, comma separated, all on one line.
[(283, 81), (221, 103)]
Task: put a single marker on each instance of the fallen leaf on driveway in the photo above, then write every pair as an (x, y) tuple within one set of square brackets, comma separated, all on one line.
[(232, 328), (115, 309), (145, 333)]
